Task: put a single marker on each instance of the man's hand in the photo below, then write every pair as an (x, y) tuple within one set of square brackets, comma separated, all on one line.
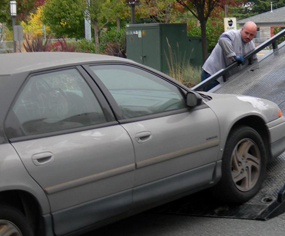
[(239, 59)]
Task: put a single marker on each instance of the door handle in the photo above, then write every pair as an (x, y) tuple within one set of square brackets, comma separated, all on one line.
[(143, 136), (42, 158)]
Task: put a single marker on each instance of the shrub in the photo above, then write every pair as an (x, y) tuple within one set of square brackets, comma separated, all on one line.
[(61, 46), (191, 75), (85, 45), (38, 44), (112, 42), (276, 30)]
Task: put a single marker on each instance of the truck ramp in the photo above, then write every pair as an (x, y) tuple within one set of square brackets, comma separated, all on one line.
[(264, 79)]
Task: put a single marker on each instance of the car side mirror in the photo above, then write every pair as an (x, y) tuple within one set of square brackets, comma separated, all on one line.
[(193, 99)]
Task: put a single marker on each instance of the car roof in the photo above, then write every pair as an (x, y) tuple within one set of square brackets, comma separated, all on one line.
[(13, 63)]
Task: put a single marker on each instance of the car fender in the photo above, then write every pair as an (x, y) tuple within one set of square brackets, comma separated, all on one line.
[(233, 108)]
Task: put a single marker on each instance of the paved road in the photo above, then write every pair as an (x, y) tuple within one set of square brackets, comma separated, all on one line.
[(147, 224), (262, 53)]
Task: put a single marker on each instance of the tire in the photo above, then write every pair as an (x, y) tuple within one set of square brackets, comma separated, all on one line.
[(13, 222), (243, 166)]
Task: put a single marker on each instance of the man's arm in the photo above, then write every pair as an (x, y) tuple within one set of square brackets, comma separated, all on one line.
[(226, 44)]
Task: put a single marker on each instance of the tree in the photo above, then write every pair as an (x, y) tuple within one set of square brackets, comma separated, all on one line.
[(34, 27), (24, 8), (64, 17), (214, 30), (101, 13), (157, 10), (255, 7), (5, 11), (202, 10)]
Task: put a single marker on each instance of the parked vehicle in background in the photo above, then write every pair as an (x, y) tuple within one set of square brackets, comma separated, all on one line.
[(87, 139)]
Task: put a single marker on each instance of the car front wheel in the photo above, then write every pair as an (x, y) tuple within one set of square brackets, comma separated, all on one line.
[(13, 222), (243, 166)]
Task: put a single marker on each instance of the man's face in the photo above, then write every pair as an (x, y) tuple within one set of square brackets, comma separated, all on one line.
[(247, 34)]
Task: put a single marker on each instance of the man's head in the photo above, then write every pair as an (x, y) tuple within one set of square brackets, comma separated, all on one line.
[(248, 31)]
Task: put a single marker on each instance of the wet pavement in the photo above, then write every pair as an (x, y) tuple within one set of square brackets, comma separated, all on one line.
[(147, 224)]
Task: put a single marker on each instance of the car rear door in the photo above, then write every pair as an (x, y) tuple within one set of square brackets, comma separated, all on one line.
[(175, 147), (72, 146)]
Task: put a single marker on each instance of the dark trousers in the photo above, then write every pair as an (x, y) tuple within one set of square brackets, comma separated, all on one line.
[(212, 84)]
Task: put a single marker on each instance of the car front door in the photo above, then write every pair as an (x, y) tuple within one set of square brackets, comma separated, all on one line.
[(175, 147), (73, 147)]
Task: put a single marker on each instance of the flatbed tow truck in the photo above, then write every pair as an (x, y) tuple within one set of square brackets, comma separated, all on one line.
[(265, 79)]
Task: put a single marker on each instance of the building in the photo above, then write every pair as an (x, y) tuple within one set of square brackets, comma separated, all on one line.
[(266, 22)]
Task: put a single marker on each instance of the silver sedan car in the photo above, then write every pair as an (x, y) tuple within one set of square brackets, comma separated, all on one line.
[(87, 139)]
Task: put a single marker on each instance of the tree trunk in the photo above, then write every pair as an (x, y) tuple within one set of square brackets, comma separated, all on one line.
[(204, 40), (96, 36)]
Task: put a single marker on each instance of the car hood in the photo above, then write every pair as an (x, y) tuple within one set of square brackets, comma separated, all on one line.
[(236, 106)]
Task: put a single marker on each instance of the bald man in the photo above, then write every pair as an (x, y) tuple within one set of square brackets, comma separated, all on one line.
[(233, 45)]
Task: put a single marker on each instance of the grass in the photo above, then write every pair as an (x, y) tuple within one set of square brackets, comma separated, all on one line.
[(180, 69), (191, 75)]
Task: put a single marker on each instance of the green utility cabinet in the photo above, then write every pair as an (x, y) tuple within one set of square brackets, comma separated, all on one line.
[(195, 50), (155, 44)]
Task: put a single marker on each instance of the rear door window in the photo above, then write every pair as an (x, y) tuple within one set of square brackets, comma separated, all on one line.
[(56, 101)]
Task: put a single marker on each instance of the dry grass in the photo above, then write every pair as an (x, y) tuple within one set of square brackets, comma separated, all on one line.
[(180, 69), (191, 75)]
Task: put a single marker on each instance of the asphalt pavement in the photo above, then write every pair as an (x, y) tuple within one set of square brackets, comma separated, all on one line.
[(147, 224), (165, 221)]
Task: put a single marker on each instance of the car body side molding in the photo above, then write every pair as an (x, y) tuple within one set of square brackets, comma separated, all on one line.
[(89, 179), (178, 153)]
